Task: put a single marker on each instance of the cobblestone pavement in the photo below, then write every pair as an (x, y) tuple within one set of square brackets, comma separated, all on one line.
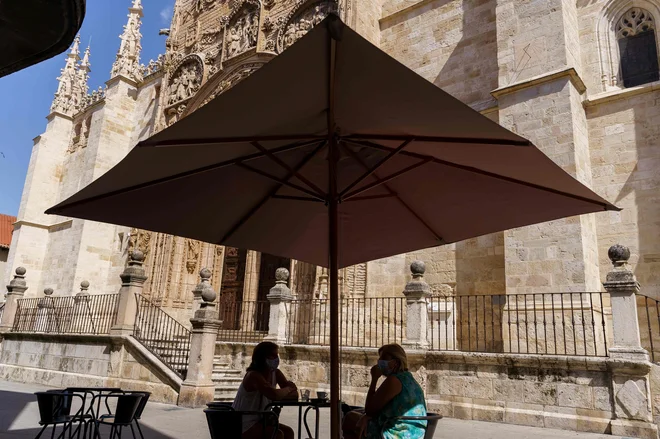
[(19, 418)]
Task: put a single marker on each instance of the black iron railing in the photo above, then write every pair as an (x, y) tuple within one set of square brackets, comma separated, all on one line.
[(244, 322), (2, 309), (80, 314), (162, 335), (542, 323), (365, 322), (648, 315)]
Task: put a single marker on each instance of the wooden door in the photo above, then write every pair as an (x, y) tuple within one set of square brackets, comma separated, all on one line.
[(231, 290)]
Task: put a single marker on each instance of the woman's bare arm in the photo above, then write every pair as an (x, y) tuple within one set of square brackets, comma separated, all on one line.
[(377, 399), (256, 381)]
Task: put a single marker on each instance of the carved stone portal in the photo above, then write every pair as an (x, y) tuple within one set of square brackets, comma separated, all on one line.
[(301, 21), (242, 29)]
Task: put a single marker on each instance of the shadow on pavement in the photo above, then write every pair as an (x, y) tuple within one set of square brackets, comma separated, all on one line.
[(19, 419)]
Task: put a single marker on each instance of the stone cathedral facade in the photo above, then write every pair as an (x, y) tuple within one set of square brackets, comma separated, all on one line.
[(578, 78)]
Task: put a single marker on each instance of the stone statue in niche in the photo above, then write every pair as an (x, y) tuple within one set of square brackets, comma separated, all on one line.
[(192, 255), (242, 32), (186, 80), (294, 28)]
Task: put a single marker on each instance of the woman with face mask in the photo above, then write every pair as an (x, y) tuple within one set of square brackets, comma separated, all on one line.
[(259, 388), (398, 395)]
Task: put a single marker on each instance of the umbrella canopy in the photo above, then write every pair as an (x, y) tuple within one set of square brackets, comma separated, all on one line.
[(32, 31), (333, 153)]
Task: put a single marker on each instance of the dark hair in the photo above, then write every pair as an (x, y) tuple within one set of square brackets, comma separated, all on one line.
[(259, 355)]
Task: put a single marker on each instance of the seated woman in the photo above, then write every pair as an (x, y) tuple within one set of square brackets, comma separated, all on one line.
[(398, 395), (259, 388)]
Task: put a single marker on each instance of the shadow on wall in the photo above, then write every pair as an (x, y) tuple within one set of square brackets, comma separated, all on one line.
[(638, 155), (471, 70), (19, 419)]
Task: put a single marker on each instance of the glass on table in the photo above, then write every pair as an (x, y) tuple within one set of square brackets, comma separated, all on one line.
[(304, 395)]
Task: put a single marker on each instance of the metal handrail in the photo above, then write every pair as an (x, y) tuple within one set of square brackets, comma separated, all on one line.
[(162, 335)]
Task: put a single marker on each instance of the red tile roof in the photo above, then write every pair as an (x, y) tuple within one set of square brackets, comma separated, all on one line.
[(6, 228)]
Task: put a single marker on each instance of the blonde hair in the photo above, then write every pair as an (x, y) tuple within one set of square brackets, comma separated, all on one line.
[(396, 352)]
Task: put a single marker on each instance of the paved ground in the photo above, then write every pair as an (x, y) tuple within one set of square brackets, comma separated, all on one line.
[(19, 417)]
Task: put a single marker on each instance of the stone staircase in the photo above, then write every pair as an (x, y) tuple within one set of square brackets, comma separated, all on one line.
[(226, 380)]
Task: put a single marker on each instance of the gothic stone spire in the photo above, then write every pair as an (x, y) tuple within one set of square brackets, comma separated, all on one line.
[(127, 62), (83, 73), (69, 91)]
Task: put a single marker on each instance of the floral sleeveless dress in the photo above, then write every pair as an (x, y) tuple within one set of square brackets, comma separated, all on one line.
[(409, 402)]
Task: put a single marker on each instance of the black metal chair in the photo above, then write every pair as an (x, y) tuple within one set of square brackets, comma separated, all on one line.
[(55, 409), (227, 423), (138, 412), (124, 415), (430, 418)]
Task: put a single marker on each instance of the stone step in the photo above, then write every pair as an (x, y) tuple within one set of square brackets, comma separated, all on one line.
[(228, 381)]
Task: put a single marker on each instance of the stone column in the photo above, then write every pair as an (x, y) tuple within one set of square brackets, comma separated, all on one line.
[(416, 292), (15, 290), (629, 361), (198, 387), (205, 284), (132, 281), (623, 286), (280, 298)]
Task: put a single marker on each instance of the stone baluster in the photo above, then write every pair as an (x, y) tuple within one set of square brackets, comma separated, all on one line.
[(622, 285), (629, 363), (132, 282), (203, 285), (416, 292), (198, 387), (15, 290), (280, 298), (45, 313)]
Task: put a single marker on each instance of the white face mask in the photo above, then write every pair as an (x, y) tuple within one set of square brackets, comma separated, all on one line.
[(273, 363)]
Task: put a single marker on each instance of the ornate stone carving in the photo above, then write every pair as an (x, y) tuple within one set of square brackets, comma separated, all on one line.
[(127, 62), (268, 4), (234, 78), (305, 16), (80, 136), (242, 28), (139, 240), (267, 26), (153, 66), (92, 98), (186, 79), (200, 6), (355, 280), (633, 22), (192, 255)]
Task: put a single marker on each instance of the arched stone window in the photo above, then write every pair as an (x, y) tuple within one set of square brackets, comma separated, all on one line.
[(638, 52)]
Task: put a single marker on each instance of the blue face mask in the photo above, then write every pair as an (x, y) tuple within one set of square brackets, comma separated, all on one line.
[(384, 366), (273, 363)]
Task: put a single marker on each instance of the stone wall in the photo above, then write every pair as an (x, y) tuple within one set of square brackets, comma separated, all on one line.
[(573, 393), (77, 361)]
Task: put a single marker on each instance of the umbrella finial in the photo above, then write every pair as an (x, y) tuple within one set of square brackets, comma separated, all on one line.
[(335, 26)]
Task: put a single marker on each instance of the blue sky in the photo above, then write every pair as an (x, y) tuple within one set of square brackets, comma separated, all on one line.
[(26, 95)]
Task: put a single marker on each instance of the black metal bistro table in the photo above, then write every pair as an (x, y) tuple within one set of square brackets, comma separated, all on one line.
[(312, 404), (93, 392)]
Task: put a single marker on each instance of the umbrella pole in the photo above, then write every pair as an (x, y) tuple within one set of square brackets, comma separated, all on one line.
[(335, 428)]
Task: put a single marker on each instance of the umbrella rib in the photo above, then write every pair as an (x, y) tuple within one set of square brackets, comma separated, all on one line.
[(292, 197), (283, 181), (261, 202), (375, 167), (297, 174), (383, 180), (368, 197), (403, 203), (216, 140), (185, 174), (485, 173), (440, 139)]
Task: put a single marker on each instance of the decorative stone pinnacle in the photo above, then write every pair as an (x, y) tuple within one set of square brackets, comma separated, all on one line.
[(281, 275), (18, 284), (136, 257), (417, 268), (75, 49), (208, 295), (84, 286), (619, 255), (127, 61), (205, 274), (48, 292)]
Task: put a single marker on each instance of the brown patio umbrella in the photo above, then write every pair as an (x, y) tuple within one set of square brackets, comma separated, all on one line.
[(333, 153)]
